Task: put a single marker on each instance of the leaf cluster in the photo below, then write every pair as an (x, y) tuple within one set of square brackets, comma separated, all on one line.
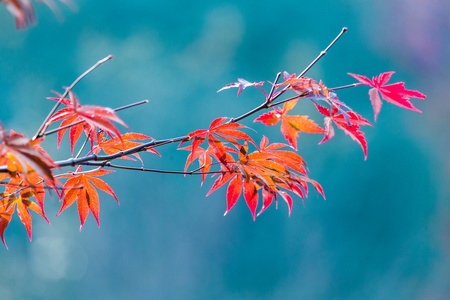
[(259, 172)]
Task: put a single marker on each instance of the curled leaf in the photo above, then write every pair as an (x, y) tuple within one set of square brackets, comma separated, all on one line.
[(241, 84)]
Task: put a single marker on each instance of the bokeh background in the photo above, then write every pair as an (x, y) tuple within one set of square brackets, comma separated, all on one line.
[(382, 233)]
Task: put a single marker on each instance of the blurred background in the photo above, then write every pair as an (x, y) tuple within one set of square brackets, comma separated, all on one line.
[(382, 233)]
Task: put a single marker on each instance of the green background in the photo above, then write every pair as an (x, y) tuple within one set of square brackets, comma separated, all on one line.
[(382, 233)]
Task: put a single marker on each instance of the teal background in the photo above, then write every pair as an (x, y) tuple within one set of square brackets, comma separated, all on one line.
[(382, 233)]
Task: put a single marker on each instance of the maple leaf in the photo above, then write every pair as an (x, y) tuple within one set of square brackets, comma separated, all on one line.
[(394, 93), (242, 84), (23, 11), (268, 169), (341, 122), (93, 117), (290, 125), (22, 155), (205, 158), (218, 130), (80, 188), (10, 202), (324, 94), (288, 158), (302, 85), (310, 89), (121, 143)]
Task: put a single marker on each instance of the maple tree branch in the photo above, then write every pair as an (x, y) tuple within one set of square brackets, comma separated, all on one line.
[(271, 96), (344, 87), (322, 54), (265, 105), (78, 172), (108, 164), (93, 157), (106, 158), (44, 125), (81, 121), (256, 109), (198, 169), (286, 100), (274, 85)]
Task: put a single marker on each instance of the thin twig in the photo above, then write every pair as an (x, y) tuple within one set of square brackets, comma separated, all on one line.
[(285, 100), (131, 105), (44, 124), (344, 86), (272, 90), (266, 104), (108, 164), (84, 144), (322, 54), (272, 97), (78, 173)]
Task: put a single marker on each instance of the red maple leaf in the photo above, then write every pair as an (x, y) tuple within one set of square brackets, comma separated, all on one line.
[(219, 130), (290, 125), (205, 158), (80, 188), (394, 93), (93, 117), (121, 143), (342, 122), (23, 11), (302, 85)]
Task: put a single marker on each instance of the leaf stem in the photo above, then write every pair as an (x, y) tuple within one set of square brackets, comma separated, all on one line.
[(84, 144)]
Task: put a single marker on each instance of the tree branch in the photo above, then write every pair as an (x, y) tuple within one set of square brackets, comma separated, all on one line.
[(110, 165)]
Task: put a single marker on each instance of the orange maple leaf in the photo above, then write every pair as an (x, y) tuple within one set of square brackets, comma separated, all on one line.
[(290, 125), (80, 188), (121, 143), (22, 155), (9, 201), (269, 169)]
